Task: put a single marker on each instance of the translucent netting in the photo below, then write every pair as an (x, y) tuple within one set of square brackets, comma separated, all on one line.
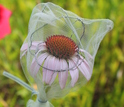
[(46, 20)]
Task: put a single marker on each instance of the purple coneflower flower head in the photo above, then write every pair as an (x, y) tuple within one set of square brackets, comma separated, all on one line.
[(60, 48), (59, 55)]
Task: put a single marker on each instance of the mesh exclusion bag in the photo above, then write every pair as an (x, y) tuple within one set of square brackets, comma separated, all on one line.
[(59, 51)]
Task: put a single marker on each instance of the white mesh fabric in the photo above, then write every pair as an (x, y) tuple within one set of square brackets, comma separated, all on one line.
[(48, 19)]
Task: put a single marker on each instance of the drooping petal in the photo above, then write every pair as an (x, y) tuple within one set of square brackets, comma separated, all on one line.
[(24, 52), (36, 63), (35, 45), (24, 47), (85, 68), (57, 65), (82, 50), (63, 74), (73, 72), (53, 77), (44, 68), (50, 67)]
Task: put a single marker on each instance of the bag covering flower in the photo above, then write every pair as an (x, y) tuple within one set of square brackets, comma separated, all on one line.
[(59, 51)]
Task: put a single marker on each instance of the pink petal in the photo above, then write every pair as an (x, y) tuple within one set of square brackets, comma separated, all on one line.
[(24, 47), (63, 74), (81, 50), (33, 47), (53, 77), (37, 44), (74, 73), (35, 66), (44, 69), (50, 66), (57, 65), (23, 54), (85, 69)]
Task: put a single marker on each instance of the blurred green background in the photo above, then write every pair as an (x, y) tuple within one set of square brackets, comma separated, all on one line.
[(105, 88)]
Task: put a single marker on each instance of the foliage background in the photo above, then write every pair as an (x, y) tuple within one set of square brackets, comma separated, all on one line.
[(106, 87)]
